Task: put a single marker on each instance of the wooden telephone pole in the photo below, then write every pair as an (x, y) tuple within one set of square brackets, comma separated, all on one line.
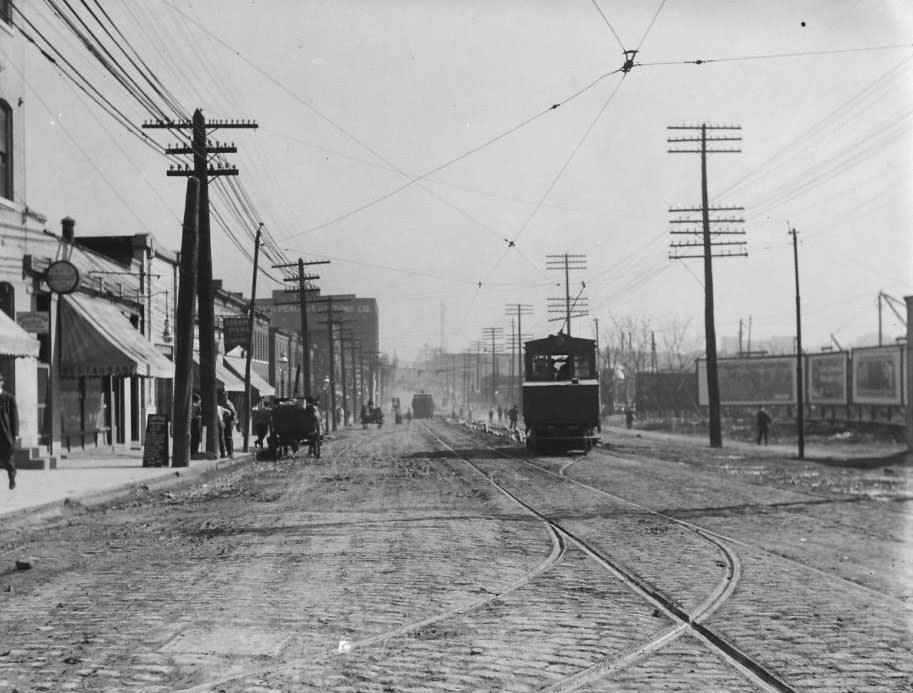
[(577, 308), (303, 291), (518, 310), (705, 249), (202, 148), (800, 380), (330, 313), (493, 333), (249, 352)]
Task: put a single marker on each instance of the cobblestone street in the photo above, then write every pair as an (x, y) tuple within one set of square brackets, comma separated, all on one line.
[(431, 557)]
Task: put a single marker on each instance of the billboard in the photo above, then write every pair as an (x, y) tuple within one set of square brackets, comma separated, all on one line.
[(877, 375), (744, 381), (828, 377)]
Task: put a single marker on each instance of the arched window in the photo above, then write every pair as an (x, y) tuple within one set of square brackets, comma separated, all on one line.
[(6, 150), (8, 299)]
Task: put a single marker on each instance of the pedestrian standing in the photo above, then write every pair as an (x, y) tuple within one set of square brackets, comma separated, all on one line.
[(229, 418), (261, 422), (764, 422), (196, 423), (512, 414), (9, 431), (629, 417)]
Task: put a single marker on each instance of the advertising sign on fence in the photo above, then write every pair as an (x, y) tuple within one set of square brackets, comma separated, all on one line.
[(828, 378), (750, 381), (877, 375)]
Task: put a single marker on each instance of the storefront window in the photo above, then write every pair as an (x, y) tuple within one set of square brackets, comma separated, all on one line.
[(70, 406)]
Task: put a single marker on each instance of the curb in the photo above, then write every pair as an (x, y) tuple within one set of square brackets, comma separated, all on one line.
[(863, 460), (171, 476)]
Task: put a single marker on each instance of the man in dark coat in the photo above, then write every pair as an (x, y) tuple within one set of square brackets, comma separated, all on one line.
[(764, 422), (9, 431)]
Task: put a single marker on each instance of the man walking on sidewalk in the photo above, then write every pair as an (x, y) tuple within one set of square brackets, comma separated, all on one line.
[(9, 431), (764, 422)]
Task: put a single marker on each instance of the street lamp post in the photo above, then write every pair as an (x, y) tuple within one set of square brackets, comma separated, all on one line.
[(326, 411), (283, 364)]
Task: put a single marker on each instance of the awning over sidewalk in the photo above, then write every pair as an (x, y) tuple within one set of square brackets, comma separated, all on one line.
[(237, 366), (14, 341), (225, 379), (97, 339)]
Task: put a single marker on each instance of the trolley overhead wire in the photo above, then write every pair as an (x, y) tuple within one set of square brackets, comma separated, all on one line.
[(774, 56), (609, 24)]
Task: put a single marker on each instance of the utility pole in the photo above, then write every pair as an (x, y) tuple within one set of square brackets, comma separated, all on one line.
[(578, 308), (493, 333), (303, 291), (705, 249), (653, 352), (519, 310), (343, 338), (183, 329), (202, 148), (800, 382), (250, 337), (330, 313)]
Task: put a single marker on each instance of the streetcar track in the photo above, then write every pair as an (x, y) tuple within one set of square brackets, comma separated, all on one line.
[(820, 572), (743, 663), (557, 553), (559, 549)]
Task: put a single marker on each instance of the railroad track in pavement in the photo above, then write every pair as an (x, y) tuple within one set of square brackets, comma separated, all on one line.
[(685, 620)]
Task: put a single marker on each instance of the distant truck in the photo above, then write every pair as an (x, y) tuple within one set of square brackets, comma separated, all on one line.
[(422, 406)]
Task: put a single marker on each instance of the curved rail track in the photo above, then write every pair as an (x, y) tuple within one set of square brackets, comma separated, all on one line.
[(817, 572), (751, 669)]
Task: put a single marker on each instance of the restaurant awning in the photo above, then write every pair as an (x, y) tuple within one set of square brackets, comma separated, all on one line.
[(14, 341), (225, 379), (97, 339), (238, 364)]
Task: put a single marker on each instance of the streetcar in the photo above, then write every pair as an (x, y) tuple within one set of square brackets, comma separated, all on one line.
[(422, 405), (560, 394)]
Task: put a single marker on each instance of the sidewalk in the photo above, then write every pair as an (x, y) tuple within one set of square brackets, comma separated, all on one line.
[(94, 476), (834, 453)]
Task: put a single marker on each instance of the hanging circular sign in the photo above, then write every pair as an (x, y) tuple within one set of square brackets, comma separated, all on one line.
[(62, 277)]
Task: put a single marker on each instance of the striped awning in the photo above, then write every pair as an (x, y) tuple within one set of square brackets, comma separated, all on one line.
[(225, 379), (14, 341), (97, 339), (238, 365)]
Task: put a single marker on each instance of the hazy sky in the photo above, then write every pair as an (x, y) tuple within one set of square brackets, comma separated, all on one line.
[(357, 100)]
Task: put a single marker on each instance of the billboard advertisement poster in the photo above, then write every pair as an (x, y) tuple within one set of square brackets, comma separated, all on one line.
[(749, 381), (877, 375), (827, 378)]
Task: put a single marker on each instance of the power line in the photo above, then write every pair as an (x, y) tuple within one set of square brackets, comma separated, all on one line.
[(608, 24), (705, 61), (650, 26)]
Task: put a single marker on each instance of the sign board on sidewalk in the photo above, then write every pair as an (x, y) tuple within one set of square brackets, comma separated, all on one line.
[(155, 449)]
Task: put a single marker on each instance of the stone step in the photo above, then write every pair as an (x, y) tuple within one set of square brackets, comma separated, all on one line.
[(32, 458)]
